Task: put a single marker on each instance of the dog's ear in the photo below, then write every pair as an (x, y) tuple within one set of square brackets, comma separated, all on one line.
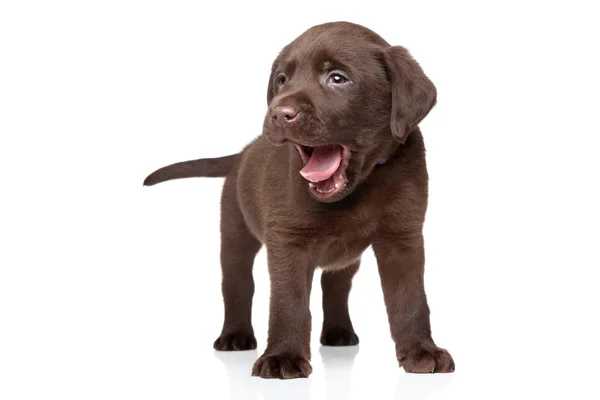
[(271, 86), (413, 94)]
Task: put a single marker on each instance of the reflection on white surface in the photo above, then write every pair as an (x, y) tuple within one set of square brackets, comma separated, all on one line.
[(420, 386), (338, 362), (332, 380), (238, 365), (243, 386)]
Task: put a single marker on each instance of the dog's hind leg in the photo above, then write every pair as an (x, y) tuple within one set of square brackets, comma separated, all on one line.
[(337, 327), (238, 249)]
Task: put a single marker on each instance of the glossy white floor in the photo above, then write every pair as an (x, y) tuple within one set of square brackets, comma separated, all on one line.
[(112, 291)]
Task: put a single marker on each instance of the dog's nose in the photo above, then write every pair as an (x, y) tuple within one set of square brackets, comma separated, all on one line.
[(284, 116)]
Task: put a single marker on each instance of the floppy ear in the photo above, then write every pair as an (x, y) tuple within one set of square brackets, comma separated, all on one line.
[(270, 88), (413, 94)]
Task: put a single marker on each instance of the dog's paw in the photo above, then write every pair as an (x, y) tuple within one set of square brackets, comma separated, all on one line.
[(339, 337), (426, 360), (235, 341), (281, 367)]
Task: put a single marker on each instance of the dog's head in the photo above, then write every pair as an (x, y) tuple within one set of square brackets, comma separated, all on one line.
[(344, 98)]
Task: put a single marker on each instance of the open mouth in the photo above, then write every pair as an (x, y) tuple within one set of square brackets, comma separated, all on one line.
[(324, 168)]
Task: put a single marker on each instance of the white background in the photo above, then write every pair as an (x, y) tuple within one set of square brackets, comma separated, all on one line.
[(112, 290)]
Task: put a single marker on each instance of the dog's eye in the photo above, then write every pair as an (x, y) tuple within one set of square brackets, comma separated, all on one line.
[(336, 78), (280, 80)]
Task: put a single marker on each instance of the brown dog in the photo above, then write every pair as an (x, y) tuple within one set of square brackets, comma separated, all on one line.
[(340, 166)]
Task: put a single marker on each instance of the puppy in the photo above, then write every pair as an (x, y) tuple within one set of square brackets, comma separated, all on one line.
[(340, 166)]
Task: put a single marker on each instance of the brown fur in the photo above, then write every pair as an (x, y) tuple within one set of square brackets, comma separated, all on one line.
[(266, 201)]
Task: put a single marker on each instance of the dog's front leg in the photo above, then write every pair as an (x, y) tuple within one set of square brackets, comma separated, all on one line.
[(401, 260), (288, 347)]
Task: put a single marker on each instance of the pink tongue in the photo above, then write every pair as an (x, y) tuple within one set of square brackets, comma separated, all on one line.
[(323, 162)]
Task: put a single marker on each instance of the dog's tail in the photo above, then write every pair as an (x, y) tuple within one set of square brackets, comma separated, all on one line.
[(207, 167)]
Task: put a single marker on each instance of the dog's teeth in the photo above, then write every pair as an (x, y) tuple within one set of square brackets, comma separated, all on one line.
[(310, 184), (325, 191)]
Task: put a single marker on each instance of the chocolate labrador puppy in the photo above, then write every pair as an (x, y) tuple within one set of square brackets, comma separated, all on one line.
[(340, 166)]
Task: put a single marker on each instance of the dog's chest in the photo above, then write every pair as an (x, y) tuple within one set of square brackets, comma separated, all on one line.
[(339, 238), (342, 252)]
